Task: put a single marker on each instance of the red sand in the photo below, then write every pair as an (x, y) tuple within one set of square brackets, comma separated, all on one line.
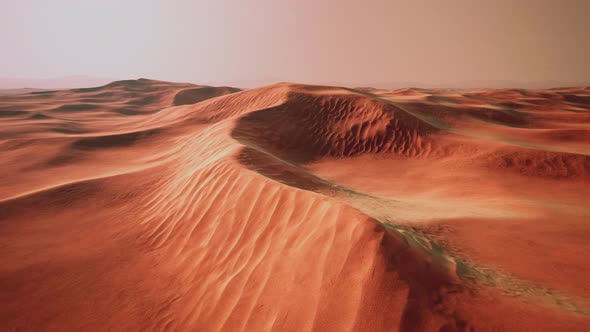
[(146, 205)]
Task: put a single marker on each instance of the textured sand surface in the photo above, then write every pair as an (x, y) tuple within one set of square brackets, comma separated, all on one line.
[(147, 205)]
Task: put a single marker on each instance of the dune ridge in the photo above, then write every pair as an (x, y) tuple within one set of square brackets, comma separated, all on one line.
[(148, 205)]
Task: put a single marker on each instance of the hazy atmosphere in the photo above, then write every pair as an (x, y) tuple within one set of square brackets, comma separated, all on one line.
[(383, 43)]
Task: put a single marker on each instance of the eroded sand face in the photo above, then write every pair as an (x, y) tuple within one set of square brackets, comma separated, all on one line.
[(146, 205)]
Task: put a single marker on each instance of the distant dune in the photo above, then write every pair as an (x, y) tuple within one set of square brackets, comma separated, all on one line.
[(20, 91), (145, 205), (482, 84)]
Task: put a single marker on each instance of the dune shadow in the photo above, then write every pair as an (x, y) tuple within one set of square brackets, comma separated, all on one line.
[(114, 141)]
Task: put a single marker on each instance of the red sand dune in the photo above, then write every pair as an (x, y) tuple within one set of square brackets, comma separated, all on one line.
[(147, 205)]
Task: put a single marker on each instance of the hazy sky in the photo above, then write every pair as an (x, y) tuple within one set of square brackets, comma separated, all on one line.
[(315, 41)]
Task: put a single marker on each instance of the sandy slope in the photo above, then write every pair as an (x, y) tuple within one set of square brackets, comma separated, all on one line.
[(146, 205)]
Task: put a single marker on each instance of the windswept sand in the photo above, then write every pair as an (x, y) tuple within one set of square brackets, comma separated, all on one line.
[(147, 205)]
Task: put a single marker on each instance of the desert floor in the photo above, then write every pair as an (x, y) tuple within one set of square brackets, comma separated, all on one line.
[(148, 205)]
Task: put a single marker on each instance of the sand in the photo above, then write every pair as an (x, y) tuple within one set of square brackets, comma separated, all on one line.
[(148, 205)]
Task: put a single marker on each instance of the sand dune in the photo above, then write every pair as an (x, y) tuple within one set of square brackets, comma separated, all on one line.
[(148, 205)]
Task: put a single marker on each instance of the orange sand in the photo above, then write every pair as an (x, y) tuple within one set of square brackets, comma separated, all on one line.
[(147, 205)]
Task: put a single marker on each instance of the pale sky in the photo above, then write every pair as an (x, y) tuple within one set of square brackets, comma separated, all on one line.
[(344, 42)]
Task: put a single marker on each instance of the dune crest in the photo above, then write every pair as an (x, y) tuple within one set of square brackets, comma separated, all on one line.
[(149, 205)]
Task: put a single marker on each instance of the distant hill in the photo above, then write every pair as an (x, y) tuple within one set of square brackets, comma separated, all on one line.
[(20, 91), (66, 82)]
